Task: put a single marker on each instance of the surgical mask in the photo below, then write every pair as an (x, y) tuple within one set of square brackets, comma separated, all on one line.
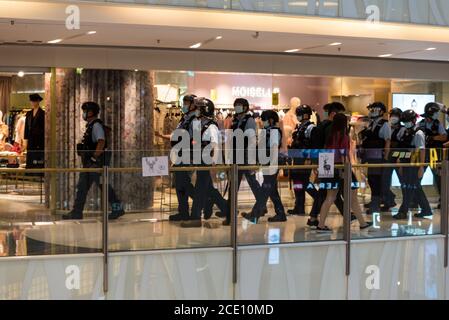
[(326, 114), (238, 108), (299, 118), (197, 113), (185, 108), (374, 114), (85, 115), (394, 120), (266, 124), (435, 116), (408, 125)]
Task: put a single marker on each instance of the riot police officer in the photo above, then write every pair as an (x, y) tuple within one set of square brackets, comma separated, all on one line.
[(93, 155), (375, 147), (303, 142), (436, 136), (397, 130), (205, 127), (269, 189), (183, 184), (244, 121), (412, 142)]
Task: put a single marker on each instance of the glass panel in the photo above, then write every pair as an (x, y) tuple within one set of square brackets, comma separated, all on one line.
[(401, 200), (160, 211)]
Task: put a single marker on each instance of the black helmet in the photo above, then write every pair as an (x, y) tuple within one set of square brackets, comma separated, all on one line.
[(270, 114), (334, 107), (396, 112), (189, 97), (430, 109), (377, 105), (206, 107), (242, 102), (408, 116), (91, 106), (303, 109)]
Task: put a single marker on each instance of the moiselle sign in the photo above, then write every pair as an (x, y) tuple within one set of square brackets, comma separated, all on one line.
[(252, 92)]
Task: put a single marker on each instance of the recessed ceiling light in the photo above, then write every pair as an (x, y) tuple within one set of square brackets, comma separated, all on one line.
[(292, 50), (385, 55), (218, 37), (335, 44), (298, 3), (92, 32), (196, 45), (135, 70), (54, 41), (430, 49), (21, 74)]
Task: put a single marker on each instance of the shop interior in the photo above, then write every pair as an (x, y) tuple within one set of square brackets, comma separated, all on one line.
[(31, 207)]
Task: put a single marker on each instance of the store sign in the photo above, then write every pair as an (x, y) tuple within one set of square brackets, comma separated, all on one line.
[(251, 92), (326, 165), (155, 166)]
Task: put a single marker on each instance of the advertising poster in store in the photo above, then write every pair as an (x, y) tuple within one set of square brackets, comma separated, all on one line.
[(326, 165), (155, 166)]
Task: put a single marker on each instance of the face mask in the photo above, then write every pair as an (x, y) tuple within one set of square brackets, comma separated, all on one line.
[(266, 124), (326, 114), (299, 118), (435, 116), (238, 108), (85, 115), (447, 118), (185, 108), (408, 125), (373, 114), (197, 113), (394, 120)]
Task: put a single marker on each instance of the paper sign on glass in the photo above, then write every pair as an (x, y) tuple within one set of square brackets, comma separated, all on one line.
[(155, 166), (326, 165)]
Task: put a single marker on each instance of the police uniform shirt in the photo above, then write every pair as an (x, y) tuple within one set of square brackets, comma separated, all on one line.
[(308, 132), (185, 118), (419, 140), (97, 132), (429, 125), (385, 130)]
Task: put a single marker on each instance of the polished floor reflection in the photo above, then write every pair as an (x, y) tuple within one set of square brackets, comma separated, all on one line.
[(28, 228)]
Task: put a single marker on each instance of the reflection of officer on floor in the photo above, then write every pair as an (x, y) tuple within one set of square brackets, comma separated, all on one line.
[(413, 141), (269, 188), (304, 139), (397, 130), (375, 147), (435, 136), (183, 183), (204, 189), (93, 155)]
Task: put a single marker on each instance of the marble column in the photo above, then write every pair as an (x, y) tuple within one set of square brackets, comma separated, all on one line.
[(126, 100)]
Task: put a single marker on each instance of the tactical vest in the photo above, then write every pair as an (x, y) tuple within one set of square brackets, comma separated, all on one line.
[(394, 137), (242, 126), (299, 139), (89, 146), (432, 132), (184, 124), (370, 136)]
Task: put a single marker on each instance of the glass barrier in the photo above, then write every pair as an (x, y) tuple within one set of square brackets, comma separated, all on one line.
[(154, 205), (400, 192), (427, 12)]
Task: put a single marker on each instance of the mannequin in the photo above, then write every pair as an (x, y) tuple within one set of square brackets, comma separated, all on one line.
[(288, 124)]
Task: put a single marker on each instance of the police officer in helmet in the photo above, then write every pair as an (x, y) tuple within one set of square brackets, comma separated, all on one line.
[(183, 183), (93, 155), (376, 140), (412, 145), (205, 127), (269, 188), (436, 136), (304, 139)]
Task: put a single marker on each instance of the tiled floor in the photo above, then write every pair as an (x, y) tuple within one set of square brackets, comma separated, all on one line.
[(27, 228)]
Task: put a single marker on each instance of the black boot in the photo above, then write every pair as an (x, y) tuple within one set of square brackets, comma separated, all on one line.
[(73, 215)]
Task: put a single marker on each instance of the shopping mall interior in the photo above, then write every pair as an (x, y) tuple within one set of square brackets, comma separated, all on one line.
[(138, 70)]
